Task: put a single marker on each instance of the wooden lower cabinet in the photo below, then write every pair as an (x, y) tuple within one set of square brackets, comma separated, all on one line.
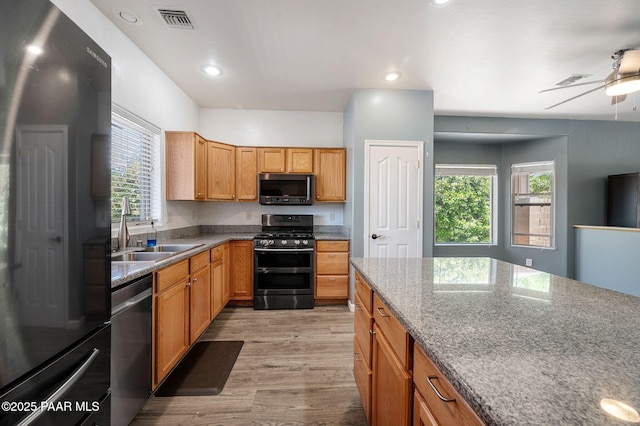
[(241, 270), (171, 318), (219, 279), (199, 297), (391, 385), (444, 407), (362, 373), (332, 270)]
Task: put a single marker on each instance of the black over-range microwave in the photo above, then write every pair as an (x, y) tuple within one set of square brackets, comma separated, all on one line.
[(285, 189)]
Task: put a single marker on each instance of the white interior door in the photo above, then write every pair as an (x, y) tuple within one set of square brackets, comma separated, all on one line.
[(393, 199), (41, 273)]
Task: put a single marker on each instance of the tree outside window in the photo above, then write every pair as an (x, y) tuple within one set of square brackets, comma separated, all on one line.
[(465, 204)]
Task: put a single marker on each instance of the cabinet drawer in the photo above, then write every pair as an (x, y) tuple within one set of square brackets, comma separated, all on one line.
[(394, 331), (331, 263), (332, 287), (332, 245), (217, 252), (199, 261), (170, 275), (363, 326), (455, 412), (362, 373), (364, 292), (421, 414)]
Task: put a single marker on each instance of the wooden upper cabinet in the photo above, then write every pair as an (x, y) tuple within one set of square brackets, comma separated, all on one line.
[(221, 171), (299, 160), (330, 165), (246, 173), (186, 166), (285, 160), (272, 160)]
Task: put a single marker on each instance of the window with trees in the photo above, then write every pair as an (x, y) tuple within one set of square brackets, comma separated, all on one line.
[(465, 204), (532, 195), (135, 166)]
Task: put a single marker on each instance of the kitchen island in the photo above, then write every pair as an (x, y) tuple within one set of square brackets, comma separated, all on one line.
[(521, 346)]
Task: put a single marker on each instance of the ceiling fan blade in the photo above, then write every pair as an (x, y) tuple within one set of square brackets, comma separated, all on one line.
[(618, 99), (630, 62), (575, 97), (572, 85)]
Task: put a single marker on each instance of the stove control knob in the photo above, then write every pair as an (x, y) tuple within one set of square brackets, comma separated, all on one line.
[(271, 242), (283, 242), (305, 242), (264, 242), (297, 242)]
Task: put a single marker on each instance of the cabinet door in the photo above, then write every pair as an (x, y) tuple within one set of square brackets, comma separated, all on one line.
[(241, 281), (221, 171), (226, 274), (299, 160), (200, 168), (330, 171), (172, 328), (199, 300), (246, 174), (271, 160), (421, 414), (391, 385), (217, 282), (362, 375), (185, 165)]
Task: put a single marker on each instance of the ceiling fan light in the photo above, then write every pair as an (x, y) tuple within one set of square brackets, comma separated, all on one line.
[(623, 85)]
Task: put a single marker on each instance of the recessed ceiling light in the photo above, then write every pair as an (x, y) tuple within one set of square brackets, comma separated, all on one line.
[(212, 70), (391, 76), (34, 49), (128, 16), (620, 410), (438, 2)]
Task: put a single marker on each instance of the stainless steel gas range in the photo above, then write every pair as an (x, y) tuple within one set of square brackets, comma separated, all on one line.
[(284, 263)]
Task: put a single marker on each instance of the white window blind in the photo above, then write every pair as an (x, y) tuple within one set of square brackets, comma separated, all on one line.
[(466, 170), (135, 171)]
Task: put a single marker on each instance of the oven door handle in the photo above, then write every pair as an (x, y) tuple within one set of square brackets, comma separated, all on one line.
[(284, 250)]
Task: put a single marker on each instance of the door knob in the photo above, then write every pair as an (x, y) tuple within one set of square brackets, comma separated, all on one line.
[(375, 236), (56, 239)]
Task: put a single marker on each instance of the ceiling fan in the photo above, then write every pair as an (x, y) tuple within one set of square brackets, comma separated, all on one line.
[(624, 79)]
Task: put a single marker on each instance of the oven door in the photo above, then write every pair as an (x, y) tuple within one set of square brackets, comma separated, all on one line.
[(283, 271)]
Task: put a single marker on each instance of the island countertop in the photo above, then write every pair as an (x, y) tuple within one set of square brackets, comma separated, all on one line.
[(520, 345)]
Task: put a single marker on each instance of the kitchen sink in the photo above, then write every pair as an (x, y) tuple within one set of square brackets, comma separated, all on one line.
[(142, 256), (161, 248)]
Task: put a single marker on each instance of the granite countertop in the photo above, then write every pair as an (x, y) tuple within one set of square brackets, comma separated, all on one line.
[(123, 272), (520, 345)]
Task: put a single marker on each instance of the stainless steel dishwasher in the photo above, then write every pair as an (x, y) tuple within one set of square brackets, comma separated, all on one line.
[(131, 319)]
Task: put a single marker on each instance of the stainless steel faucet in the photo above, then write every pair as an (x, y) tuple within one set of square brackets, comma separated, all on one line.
[(123, 232)]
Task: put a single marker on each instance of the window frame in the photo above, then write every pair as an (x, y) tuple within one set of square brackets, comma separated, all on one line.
[(534, 166), (123, 118), (490, 170)]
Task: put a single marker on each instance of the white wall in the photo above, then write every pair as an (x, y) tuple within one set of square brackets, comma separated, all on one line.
[(272, 128)]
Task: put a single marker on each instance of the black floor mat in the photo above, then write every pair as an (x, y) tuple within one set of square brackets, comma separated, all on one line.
[(203, 371)]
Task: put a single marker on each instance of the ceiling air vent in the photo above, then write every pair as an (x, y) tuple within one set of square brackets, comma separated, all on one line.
[(176, 19)]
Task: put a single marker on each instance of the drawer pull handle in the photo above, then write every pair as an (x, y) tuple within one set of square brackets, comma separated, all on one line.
[(442, 398), (358, 307), (381, 312), (356, 357)]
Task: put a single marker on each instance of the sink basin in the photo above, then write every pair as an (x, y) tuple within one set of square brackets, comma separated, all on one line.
[(141, 256), (161, 248)]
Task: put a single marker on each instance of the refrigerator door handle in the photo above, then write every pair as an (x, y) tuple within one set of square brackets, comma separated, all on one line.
[(59, 393)]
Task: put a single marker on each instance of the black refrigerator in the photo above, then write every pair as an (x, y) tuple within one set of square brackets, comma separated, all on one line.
[(55, 115)]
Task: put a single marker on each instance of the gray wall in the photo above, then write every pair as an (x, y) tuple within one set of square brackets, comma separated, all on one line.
[(593, 150), (378, 114)]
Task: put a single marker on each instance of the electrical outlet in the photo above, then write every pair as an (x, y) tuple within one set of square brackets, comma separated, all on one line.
[(528, 262)]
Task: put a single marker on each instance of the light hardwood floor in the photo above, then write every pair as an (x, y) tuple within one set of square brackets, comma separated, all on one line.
[(295, 368)]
